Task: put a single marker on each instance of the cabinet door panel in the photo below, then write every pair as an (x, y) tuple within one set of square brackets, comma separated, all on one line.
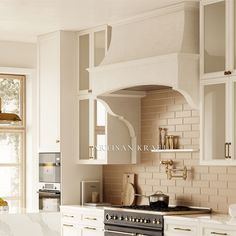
[(49, 94), (214, 115), (214, 37), (70, 230), (216, 231), (91, 231)]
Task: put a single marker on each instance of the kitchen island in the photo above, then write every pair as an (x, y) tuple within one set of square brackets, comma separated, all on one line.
[(18, 222)]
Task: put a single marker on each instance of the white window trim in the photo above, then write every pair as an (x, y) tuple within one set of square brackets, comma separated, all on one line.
[(31, 151)]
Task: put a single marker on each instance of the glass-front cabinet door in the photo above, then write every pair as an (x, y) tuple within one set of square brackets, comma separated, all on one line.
[(99, 46), (214, 122), (214, 37), (234, 17), (92, 47), (84, 61), (85, 137), (232, 148), (92, 138), (100, 131)]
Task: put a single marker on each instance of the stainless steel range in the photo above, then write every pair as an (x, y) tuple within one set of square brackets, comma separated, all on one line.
[(142, 220)]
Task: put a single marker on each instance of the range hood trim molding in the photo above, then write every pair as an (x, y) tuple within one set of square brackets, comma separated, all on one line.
[(179, 71)]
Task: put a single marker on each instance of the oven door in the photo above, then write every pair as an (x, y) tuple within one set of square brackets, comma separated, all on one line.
[(49, 200), (49, 168), (130, 231)]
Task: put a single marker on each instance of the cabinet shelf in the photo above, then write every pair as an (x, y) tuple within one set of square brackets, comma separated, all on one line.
[(174, 150)]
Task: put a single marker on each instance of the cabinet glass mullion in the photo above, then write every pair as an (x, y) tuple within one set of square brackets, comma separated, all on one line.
[(214, 37), (214, 116)]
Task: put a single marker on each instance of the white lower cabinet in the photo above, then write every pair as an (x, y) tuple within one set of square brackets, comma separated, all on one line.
[(91, 231), (210, 225), (82, 221), (216, 230), (180, 227), (70, 230)]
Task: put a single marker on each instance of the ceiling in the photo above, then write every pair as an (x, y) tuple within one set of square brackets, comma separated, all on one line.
[(23, 20)]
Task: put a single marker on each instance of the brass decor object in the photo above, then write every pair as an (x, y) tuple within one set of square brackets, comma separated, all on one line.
[(8, 117), (172, 172), (167, 141)]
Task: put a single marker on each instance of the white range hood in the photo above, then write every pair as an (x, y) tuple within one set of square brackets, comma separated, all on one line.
[(158, 48)]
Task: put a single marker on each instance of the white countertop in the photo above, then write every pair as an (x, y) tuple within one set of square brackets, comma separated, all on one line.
[(22, 223), (206, 218), (74, 207), (19, 210)]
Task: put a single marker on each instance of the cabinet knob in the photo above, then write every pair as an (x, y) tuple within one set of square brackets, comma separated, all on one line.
[(57, 141), (227, 72)]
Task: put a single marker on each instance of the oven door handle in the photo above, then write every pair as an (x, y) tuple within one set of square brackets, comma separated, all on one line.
[(119, 232)]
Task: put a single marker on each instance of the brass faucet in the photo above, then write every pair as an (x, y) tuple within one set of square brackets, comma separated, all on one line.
[(167, 163), (170, 171)]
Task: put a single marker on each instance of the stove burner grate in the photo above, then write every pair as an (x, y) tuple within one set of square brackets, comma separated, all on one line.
[(162, 209)]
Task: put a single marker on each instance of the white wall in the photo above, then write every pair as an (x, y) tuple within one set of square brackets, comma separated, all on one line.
[(17, 54), (21, 58)]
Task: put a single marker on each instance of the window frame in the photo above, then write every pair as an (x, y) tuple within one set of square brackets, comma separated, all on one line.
[(21, 128)]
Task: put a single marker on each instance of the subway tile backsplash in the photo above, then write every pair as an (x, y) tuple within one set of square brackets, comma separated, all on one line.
[(207, 186)]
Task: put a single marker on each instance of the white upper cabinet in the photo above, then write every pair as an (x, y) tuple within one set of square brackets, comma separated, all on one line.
[(218, 70), (105, 133), (218, 53), (218, 121), (234, 40), (103, 123), (49, 93), (92, 46), (83, 62)]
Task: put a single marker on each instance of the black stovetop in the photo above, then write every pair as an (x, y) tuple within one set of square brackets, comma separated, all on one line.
[(170, 210), (162, 209)]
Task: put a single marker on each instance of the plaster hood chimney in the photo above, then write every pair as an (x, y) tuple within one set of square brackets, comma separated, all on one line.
[(158, 48)]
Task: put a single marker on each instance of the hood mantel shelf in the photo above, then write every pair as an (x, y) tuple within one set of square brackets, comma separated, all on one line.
[(158, 49)]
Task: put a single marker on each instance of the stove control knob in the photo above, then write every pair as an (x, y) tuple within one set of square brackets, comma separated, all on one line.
[(146, 221), (126, 218), (115, 217), (108, 217), (130, 219), (158, 222), (137, 220), (154, 221), (141, 220), (133, 219), (121, 218)]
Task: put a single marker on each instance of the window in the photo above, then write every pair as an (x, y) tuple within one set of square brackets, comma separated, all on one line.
[(12, 141)]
